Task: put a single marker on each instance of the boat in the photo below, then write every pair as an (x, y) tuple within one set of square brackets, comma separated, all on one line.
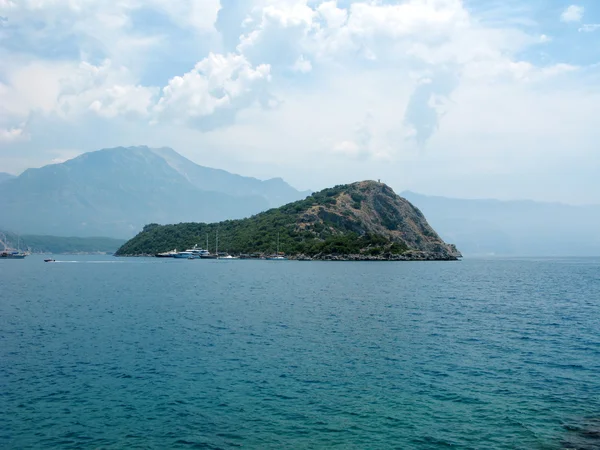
[(9, 253), (12, 254), (205, 254), (49, 260), (198, 252), (185, 255), (228, 257), (170, 254), (277, 256)]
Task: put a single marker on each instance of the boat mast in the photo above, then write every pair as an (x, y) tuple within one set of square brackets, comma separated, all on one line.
[(217, 244)]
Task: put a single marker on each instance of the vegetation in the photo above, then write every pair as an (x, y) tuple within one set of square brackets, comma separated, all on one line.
[(311, 226), (56, 244)]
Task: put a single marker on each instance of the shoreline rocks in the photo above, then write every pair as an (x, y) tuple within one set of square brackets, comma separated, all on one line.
[(408, 256)]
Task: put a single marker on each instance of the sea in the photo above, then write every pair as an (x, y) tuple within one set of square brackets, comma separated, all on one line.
[(102, 352)]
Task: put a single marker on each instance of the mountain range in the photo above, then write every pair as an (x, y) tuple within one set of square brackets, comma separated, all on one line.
[(115, 192), (5, 176), (513, 228)]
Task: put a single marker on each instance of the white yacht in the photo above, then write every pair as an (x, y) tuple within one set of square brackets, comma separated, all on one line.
[(170, 254)]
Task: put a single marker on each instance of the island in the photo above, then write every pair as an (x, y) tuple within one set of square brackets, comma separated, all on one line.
[(362, 221)]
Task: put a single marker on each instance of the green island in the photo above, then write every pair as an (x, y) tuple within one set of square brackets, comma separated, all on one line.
[(359, 221)]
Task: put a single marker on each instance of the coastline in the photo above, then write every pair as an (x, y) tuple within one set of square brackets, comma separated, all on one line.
[(408, 256)]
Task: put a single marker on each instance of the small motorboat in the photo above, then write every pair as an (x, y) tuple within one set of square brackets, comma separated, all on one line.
[(49, 260)]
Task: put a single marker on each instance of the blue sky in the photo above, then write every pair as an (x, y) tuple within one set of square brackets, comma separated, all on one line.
[(465, 98)]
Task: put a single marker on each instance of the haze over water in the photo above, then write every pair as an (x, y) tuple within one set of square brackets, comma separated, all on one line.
[(103, 352)]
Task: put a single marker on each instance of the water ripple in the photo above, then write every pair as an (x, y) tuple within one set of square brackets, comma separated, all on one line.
[(495, 354)]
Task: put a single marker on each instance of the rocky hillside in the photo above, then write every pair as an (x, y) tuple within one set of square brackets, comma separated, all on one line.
[(364, 220)]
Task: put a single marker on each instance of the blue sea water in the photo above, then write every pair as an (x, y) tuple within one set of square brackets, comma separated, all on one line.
[(103, 352)]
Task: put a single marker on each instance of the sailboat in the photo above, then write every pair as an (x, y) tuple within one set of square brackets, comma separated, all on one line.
[(11, 253), (226, 255), (277, 256), (209, 255)]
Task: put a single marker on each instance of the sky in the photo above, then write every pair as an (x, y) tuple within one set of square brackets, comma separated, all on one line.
[(460, 98)]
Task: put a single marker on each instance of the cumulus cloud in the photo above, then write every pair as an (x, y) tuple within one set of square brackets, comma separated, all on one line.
[(573, 13), (208, 96), (427, 70), (276, 33), (105, 90), (219, 84), (276, 38), (432, 36), (124, 100)]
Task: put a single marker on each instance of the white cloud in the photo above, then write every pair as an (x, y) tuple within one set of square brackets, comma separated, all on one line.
[(573, 13), (367, 142), (361, 145), (334, 17), (11, 134), (198, 14), (430, 71), (348, 148), (217, 84), (119, 100), (105, 90), (302, 65), (589, 27), (276, 33), (61, 155)]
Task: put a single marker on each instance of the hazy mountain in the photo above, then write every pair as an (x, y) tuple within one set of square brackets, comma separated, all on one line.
[(276, 191), (479, 227), (56, 244), (5, 176), (115, 192)]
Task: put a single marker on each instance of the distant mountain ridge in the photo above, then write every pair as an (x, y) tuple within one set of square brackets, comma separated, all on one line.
[(114, 192), (513, 228), (275, 190), (57, 245), (6, 176)]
